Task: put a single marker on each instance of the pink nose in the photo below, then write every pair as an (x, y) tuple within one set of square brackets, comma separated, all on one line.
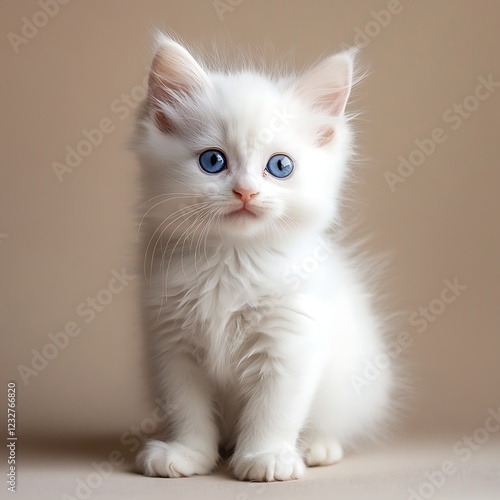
[(244, 194)]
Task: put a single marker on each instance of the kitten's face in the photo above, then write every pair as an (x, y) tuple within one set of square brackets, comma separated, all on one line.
[(240, 156)]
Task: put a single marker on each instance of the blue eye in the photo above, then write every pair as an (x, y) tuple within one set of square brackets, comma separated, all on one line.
[(280, 166), (212, 161)]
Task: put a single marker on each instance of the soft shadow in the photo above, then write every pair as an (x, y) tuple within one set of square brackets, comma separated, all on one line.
[(88, 448), (94, 449)]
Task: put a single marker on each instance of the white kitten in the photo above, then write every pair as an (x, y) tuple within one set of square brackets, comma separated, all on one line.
[(256, 321)]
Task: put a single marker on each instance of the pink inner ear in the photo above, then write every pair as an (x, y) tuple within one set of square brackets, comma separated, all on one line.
[(172, 75), (163, 123), (157, 93), (335, 102), (327, 86), (325, 136), (158, 84)]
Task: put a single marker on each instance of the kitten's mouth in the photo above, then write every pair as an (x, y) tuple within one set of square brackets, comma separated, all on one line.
[(242, 212)]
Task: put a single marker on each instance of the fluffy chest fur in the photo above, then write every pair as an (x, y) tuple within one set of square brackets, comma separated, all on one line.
[(221, 300)]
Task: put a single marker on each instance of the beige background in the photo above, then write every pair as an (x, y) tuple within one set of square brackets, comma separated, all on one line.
[(65, 238)]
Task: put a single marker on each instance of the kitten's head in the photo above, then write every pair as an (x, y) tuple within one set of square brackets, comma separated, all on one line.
[(240, 155)]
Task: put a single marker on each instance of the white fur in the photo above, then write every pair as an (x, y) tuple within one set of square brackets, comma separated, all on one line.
[(251, 351)]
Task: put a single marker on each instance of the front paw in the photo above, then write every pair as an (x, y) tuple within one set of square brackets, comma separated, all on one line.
[(160, 459), (283, 464), (323, 452)]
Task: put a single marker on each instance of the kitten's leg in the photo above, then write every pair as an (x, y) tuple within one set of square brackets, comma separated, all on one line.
[(270, 425), (319, 443), (193, 448), (281, 382), (347, 405)]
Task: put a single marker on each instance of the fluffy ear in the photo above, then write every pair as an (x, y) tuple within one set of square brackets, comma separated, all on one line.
[(328, 84), (326, 87), (174, 76)]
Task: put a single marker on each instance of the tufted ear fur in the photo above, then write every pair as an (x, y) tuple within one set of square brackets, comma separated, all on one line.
[(327, 87), (174, 76)]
